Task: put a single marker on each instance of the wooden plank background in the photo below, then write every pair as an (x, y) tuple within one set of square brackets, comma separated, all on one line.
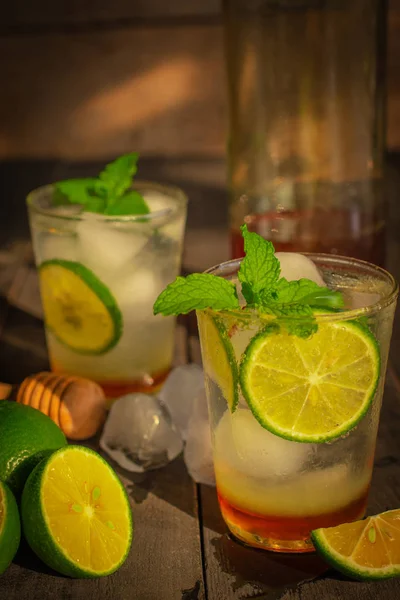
[(85, 80)]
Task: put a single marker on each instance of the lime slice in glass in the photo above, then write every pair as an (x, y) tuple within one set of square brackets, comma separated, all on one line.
[(315, 389), (79, 309), (219, 357)]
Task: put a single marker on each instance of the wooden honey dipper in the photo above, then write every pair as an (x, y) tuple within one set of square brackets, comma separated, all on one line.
[(75, 404)]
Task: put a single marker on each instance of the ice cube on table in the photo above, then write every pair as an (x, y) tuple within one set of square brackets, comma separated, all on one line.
[(244, 444), (180, 392), (297, 266), (139, 434), (56, 246), (198, 450), (105, 247)]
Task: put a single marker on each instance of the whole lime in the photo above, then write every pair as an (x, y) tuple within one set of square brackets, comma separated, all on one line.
[(26, 437), (10, 527)]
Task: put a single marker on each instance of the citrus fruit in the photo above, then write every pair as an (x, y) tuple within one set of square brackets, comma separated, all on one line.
[(76, 515), (79, 309), (10, 527), (367, 549), (219, 357), (26, 436), (315, 389)]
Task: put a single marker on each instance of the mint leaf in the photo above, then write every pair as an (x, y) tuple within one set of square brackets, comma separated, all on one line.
[(95, 205), (75, 191), (291, 300), (117, 177), (259, 269), (131, 203), (308, 292), (196, 292), (107, 194)]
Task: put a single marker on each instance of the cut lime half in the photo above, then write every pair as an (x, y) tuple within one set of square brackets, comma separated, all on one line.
[(76, 515), (79, 309), (10, 527), (367, 549), (315, 389), (219, 357)]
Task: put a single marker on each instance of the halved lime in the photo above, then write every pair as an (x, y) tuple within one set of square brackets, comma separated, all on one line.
[(10, 527), (76, 515), (315, 389), (79, 309), (219, 357), (367, 549)]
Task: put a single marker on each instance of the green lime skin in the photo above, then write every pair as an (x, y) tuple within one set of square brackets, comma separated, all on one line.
[(10, 527), (36, 530), (26, 437)]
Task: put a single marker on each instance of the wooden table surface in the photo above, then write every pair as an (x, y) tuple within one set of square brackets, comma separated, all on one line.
[(181, 548)]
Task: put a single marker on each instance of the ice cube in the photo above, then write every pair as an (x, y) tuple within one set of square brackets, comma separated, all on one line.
[(297, 266), (361, 299), (172, 227), (138, 287), (180, 392), (244, 444), (107, 248), (139, 434), (53, 246), (198, 450)]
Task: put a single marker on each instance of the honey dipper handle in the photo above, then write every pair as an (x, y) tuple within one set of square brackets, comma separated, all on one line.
[(5, 390)]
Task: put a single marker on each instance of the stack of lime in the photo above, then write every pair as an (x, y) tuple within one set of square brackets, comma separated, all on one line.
[(74, 510)]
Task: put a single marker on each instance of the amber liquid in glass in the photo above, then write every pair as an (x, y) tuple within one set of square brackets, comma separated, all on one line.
[(286, 533)]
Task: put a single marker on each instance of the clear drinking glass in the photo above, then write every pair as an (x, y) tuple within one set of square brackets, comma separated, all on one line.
[(306, 90), (134, 257), (272, 492)]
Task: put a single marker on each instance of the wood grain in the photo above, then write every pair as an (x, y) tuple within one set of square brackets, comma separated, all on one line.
[(94, 95), (164, 562), (158, 88), (45, 12)]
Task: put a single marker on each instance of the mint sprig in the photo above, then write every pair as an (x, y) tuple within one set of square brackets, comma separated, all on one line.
[(109, 193), (291, 302)]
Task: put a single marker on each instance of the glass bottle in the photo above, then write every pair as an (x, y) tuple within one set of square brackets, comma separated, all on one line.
[(306, 89)]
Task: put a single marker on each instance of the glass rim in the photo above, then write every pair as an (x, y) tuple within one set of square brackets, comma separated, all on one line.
[(346, 314), (174, 193)]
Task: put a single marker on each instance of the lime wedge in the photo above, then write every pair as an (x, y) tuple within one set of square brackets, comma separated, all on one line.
[(219, 357), (10, 527), (315, 389), (79, 309), (367, 549), (76, 515)]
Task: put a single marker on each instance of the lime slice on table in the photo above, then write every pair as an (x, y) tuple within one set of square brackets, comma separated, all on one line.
[(315, 389), (10, 527), (367, 549), (219, 357), (79, 309), (76, 515)]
